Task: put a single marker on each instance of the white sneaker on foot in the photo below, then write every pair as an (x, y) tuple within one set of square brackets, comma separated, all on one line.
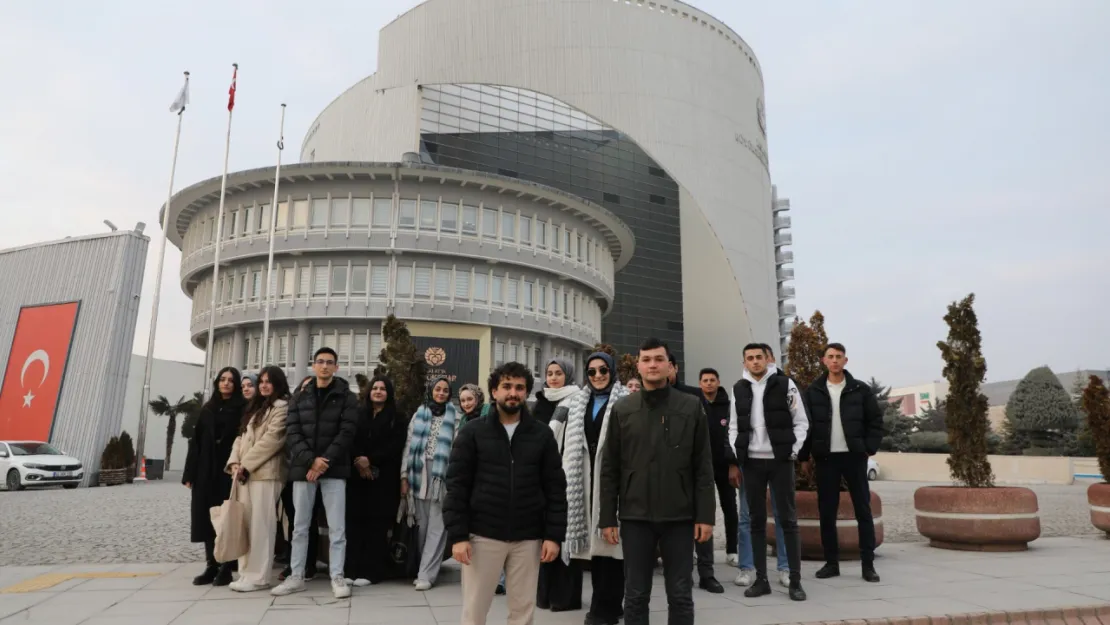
[(423, 584), (732, 559), (291, 585), (339, 588), (784, 578), (360, 582), (745, 578), (241, 585)]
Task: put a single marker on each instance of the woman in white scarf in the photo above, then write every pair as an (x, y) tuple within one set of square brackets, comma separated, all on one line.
[(560, 584), (585, 430)]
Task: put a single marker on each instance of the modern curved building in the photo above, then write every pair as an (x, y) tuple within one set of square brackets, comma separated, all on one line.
[(485, 268), (650, 110)]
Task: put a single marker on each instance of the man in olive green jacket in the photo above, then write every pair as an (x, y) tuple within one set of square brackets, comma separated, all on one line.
[(657, 479)]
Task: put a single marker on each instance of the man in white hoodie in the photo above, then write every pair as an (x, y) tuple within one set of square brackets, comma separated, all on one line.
[(769, 425)]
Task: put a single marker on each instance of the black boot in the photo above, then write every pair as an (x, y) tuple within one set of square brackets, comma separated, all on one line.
[(208, 576), (829, 570), (869, 574), (796, 592), (223, 578), (759, 588)]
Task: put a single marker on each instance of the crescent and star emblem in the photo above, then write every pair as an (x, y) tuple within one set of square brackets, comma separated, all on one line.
[(39, 355)]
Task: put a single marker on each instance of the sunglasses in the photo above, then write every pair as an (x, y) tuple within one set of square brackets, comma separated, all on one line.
[(596, 372)]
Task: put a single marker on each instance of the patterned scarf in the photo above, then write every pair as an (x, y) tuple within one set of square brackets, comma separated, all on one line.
[(576, 463), (420, 430)]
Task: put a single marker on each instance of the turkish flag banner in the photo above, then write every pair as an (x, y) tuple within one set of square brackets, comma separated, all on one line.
[(35, 371)]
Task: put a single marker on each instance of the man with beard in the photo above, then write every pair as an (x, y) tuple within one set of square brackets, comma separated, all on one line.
[(506, 504)]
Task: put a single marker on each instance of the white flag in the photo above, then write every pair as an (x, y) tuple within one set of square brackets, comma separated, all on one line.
[(181, 100)]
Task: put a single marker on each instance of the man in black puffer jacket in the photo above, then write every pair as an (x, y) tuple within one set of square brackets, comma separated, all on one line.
[(320, 429), (846, 426), (506, 503)]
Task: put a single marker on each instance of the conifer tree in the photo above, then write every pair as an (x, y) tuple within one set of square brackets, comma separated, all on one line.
[(403, 364), (966, 406)]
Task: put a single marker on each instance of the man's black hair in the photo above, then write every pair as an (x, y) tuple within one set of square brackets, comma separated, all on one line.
[(709, 370), (837, 346), (326, 350), (751, 346), (510, 370), (654, 343)]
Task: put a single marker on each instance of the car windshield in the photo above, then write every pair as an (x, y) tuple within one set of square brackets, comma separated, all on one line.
[(33, 449)]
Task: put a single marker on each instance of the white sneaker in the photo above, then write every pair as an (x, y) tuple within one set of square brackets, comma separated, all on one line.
[(784, 578), (732, 559), (339, 588), (360, 582), (291, 585), (745, 578), (242, 585), (422, 585)]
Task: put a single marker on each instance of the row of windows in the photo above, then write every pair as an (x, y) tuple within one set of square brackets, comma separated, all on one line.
[(422, 215), (414, 282)]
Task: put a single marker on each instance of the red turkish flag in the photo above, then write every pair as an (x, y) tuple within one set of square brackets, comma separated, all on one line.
[(35, 370)]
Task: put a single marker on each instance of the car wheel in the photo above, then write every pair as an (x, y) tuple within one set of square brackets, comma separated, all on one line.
[(69, 486), (14, 481), (872, 474)]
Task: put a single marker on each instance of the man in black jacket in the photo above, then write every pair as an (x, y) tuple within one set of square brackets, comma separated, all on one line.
[(718, 410), (506, 503), (846, 427), (320, 429), (657, 479)]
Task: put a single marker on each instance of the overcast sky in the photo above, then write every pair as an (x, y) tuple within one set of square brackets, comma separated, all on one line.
[(930, 149)]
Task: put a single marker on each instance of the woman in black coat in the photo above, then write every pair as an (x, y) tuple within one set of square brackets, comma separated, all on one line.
[(209, 449), (373, 490)]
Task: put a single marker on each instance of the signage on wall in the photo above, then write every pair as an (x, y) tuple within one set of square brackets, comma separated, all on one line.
[(36, 370), (454, 359)]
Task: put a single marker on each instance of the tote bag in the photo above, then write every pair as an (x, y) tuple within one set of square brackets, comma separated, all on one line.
[(232, 527)]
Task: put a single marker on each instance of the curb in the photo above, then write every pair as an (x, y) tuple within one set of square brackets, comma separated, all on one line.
[(1086, 615)]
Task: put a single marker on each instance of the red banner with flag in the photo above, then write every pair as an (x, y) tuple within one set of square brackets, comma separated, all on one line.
[(231, 91), (35, 371)]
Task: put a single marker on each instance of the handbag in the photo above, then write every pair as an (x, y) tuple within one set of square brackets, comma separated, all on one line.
[(232, 526), (404, 543)]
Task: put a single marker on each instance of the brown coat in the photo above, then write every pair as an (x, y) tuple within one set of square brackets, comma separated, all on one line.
[(261, 448)]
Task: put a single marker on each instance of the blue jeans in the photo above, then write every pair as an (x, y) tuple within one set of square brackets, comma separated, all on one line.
[(334, 494), (744, 540)]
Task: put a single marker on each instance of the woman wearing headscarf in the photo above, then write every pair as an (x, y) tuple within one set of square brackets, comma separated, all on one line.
[(373, 491), (473, 403), (209, 448), (586, 428), (560, 585), (431, 433), (250, 385)]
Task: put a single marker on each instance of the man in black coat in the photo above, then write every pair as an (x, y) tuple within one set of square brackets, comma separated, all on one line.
[(506, 503), (320, 431), (846, 427), (718, 411)]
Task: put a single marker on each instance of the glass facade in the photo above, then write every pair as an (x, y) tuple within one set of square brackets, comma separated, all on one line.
[(527, 135)]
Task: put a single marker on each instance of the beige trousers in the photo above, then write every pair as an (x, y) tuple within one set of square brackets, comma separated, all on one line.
[(261, 497), (521, 563)]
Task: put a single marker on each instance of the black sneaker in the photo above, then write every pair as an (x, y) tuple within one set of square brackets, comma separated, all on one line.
[(796, 593), (869, 574), (827, 571), (710, 584), (223, 578), (759, 588), (207, 577), (500, 590)]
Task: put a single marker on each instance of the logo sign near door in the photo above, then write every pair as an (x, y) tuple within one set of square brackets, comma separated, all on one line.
[(35, 371), (454, 359)]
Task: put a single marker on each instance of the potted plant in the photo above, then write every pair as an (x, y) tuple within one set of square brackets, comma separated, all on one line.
[(803, 364), (973, 514), (113, 464), (127, 448), (1096, 404)]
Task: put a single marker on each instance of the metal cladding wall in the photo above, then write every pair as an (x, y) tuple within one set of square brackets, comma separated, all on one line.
[(682, 85), (105, 274)]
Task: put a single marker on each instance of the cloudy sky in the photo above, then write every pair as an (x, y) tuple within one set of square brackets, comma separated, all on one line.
[(930, 149)]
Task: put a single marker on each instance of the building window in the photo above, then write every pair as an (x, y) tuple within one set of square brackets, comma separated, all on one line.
[(282, 216), (566, 242), (449, 218), (303, 289), (358, 280), (263, 218), (379, 283), (495, 288), (528, 296), (462, 285), (320, 281), (513, 287), (498, 354), (282, 351), (375, 347), (360, 212), (244, 286), (338, 280), (443, 283), (248, 221), (300, 214), (541, 234), (470, 220), (566, 304), (658, 199), (481, 287), (383, 212), (404, 281), (319, 213), (233, 224), (489, 223), (423, 282), (407, 218), (256, 285), (526, 230), (361, 340), (554, 301), (555, 239), (508, 227), (344, 349), (428, 210), (612, 198), (339, 209), (541, 303), (288, 282), (581, 250)]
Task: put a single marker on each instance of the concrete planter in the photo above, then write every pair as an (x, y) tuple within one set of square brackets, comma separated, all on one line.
[(112, 477), (809, 525), (1098, 498), (977, 519)]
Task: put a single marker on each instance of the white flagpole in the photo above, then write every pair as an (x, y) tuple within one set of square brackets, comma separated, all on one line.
[(219, 243), (270, 259), (140, 449)]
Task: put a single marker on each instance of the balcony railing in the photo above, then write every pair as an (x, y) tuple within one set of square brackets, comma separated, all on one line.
[(783, 238), (780, 206), (784, 257), (787, 311), (783, 274), (786, 292), (781, 223)]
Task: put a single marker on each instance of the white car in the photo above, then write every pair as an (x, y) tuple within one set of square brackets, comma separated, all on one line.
[(34, 463), (872, 469)]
